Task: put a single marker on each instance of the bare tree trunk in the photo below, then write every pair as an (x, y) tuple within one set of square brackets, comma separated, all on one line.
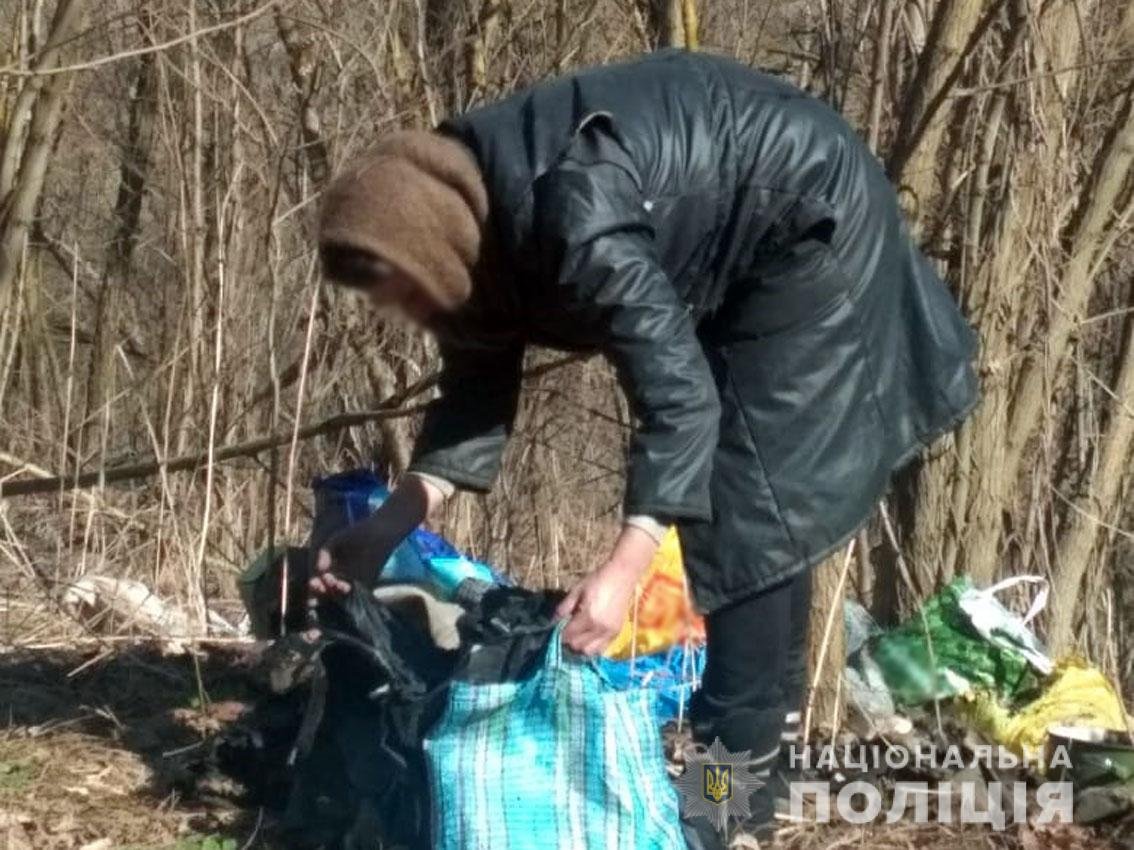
[(956, 503), (879, 71), (966, 494), (676, 23), (826, 645), (24, 160), (127, 215), (1092, 512), (1088, 247), (479, 44), (690, 24), (396, 442), (1013, 411), (303, 65), (914, 160)]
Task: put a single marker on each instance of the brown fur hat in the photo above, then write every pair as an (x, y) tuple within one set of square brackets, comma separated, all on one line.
[(418, 201)]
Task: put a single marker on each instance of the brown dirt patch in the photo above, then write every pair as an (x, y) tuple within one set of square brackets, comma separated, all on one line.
[(95, 747)]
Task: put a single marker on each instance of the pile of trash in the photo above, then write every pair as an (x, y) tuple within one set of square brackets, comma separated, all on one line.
[(661, 646), (390, 688), (446, 681), (964, 656), (446, 672)]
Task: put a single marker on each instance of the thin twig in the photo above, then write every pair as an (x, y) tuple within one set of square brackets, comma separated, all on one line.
[(825, 643), (1031, 78), (392, 408), (145, 469), (15, 71)]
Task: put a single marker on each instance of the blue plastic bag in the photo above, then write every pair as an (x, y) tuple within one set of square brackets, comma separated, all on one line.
[(671, 674), (562, 759), (424, 557)]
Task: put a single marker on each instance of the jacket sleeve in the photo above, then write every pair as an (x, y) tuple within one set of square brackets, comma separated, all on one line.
[(466, 428), (596, 239)]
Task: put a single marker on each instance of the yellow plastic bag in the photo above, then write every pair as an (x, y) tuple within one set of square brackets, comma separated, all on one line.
[(665, 614), (1076, 694)]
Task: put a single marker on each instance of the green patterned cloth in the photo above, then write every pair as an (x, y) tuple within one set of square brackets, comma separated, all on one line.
[(938, 654)]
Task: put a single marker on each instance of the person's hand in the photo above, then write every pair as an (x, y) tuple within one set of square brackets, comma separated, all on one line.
[(596, 607), (358, 552), (355, 554)]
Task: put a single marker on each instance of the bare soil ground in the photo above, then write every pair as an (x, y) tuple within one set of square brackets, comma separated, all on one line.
[(109, 749), (98, 750)]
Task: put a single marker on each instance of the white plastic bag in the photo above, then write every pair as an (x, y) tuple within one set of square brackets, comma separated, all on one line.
[(1001, 627)]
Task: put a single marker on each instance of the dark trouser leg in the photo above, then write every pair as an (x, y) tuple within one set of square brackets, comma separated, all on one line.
[(756, 663), (795, 669)]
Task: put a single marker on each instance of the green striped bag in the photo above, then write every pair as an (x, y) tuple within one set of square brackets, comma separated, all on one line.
[(562, 760)]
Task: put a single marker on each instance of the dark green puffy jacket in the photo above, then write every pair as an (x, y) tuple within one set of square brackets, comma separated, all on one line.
[(737, 252)]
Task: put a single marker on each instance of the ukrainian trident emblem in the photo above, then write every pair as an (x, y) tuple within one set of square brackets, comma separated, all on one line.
[(716, 784)]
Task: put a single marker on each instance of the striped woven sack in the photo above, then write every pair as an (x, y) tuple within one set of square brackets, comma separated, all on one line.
[(562, 760)]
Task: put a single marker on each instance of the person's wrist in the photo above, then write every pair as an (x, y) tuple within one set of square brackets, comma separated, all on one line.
[(408, 505), (629, 567), (634, 552), (431, 490), (374, 536)]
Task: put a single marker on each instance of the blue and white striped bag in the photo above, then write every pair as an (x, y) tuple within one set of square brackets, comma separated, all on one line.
[(562, 760)]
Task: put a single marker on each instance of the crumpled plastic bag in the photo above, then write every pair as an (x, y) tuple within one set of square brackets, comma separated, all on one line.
[(1076, 694), (663, 615), (963, 640), (103, 602), (674, 674), (1001, 627), (866, 686)]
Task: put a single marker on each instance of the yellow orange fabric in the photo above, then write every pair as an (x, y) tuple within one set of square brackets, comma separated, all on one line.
[(662, 614)]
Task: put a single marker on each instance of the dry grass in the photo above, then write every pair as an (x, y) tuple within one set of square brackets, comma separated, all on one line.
[(95, 748)]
